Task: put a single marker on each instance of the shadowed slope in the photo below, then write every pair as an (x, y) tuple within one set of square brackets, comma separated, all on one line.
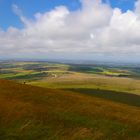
[(34, 113), (122, 97)]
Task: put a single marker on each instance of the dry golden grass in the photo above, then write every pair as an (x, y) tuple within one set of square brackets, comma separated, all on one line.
[(34, 113)]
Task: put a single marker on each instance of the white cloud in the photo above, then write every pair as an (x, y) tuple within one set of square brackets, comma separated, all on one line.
[(18, 12), (95, 28)]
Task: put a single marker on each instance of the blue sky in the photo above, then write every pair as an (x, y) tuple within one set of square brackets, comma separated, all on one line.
[(30, 7)]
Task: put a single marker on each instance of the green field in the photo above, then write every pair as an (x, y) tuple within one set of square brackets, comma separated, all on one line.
[(15, 69)]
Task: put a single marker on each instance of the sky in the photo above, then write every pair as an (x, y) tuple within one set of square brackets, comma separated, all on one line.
[(70, 29)]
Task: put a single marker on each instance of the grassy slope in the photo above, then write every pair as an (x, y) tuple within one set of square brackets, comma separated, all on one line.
[(33, 113)]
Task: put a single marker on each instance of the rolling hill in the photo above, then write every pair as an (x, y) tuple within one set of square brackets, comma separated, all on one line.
[(34, 113)]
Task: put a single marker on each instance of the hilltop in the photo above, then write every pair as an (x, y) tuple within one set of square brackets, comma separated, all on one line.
[(34, 113)]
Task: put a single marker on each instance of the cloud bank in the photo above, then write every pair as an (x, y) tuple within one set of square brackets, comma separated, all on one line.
[(94, 29)]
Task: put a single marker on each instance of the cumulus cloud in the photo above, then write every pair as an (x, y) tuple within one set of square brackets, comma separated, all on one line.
[(95, 28)]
